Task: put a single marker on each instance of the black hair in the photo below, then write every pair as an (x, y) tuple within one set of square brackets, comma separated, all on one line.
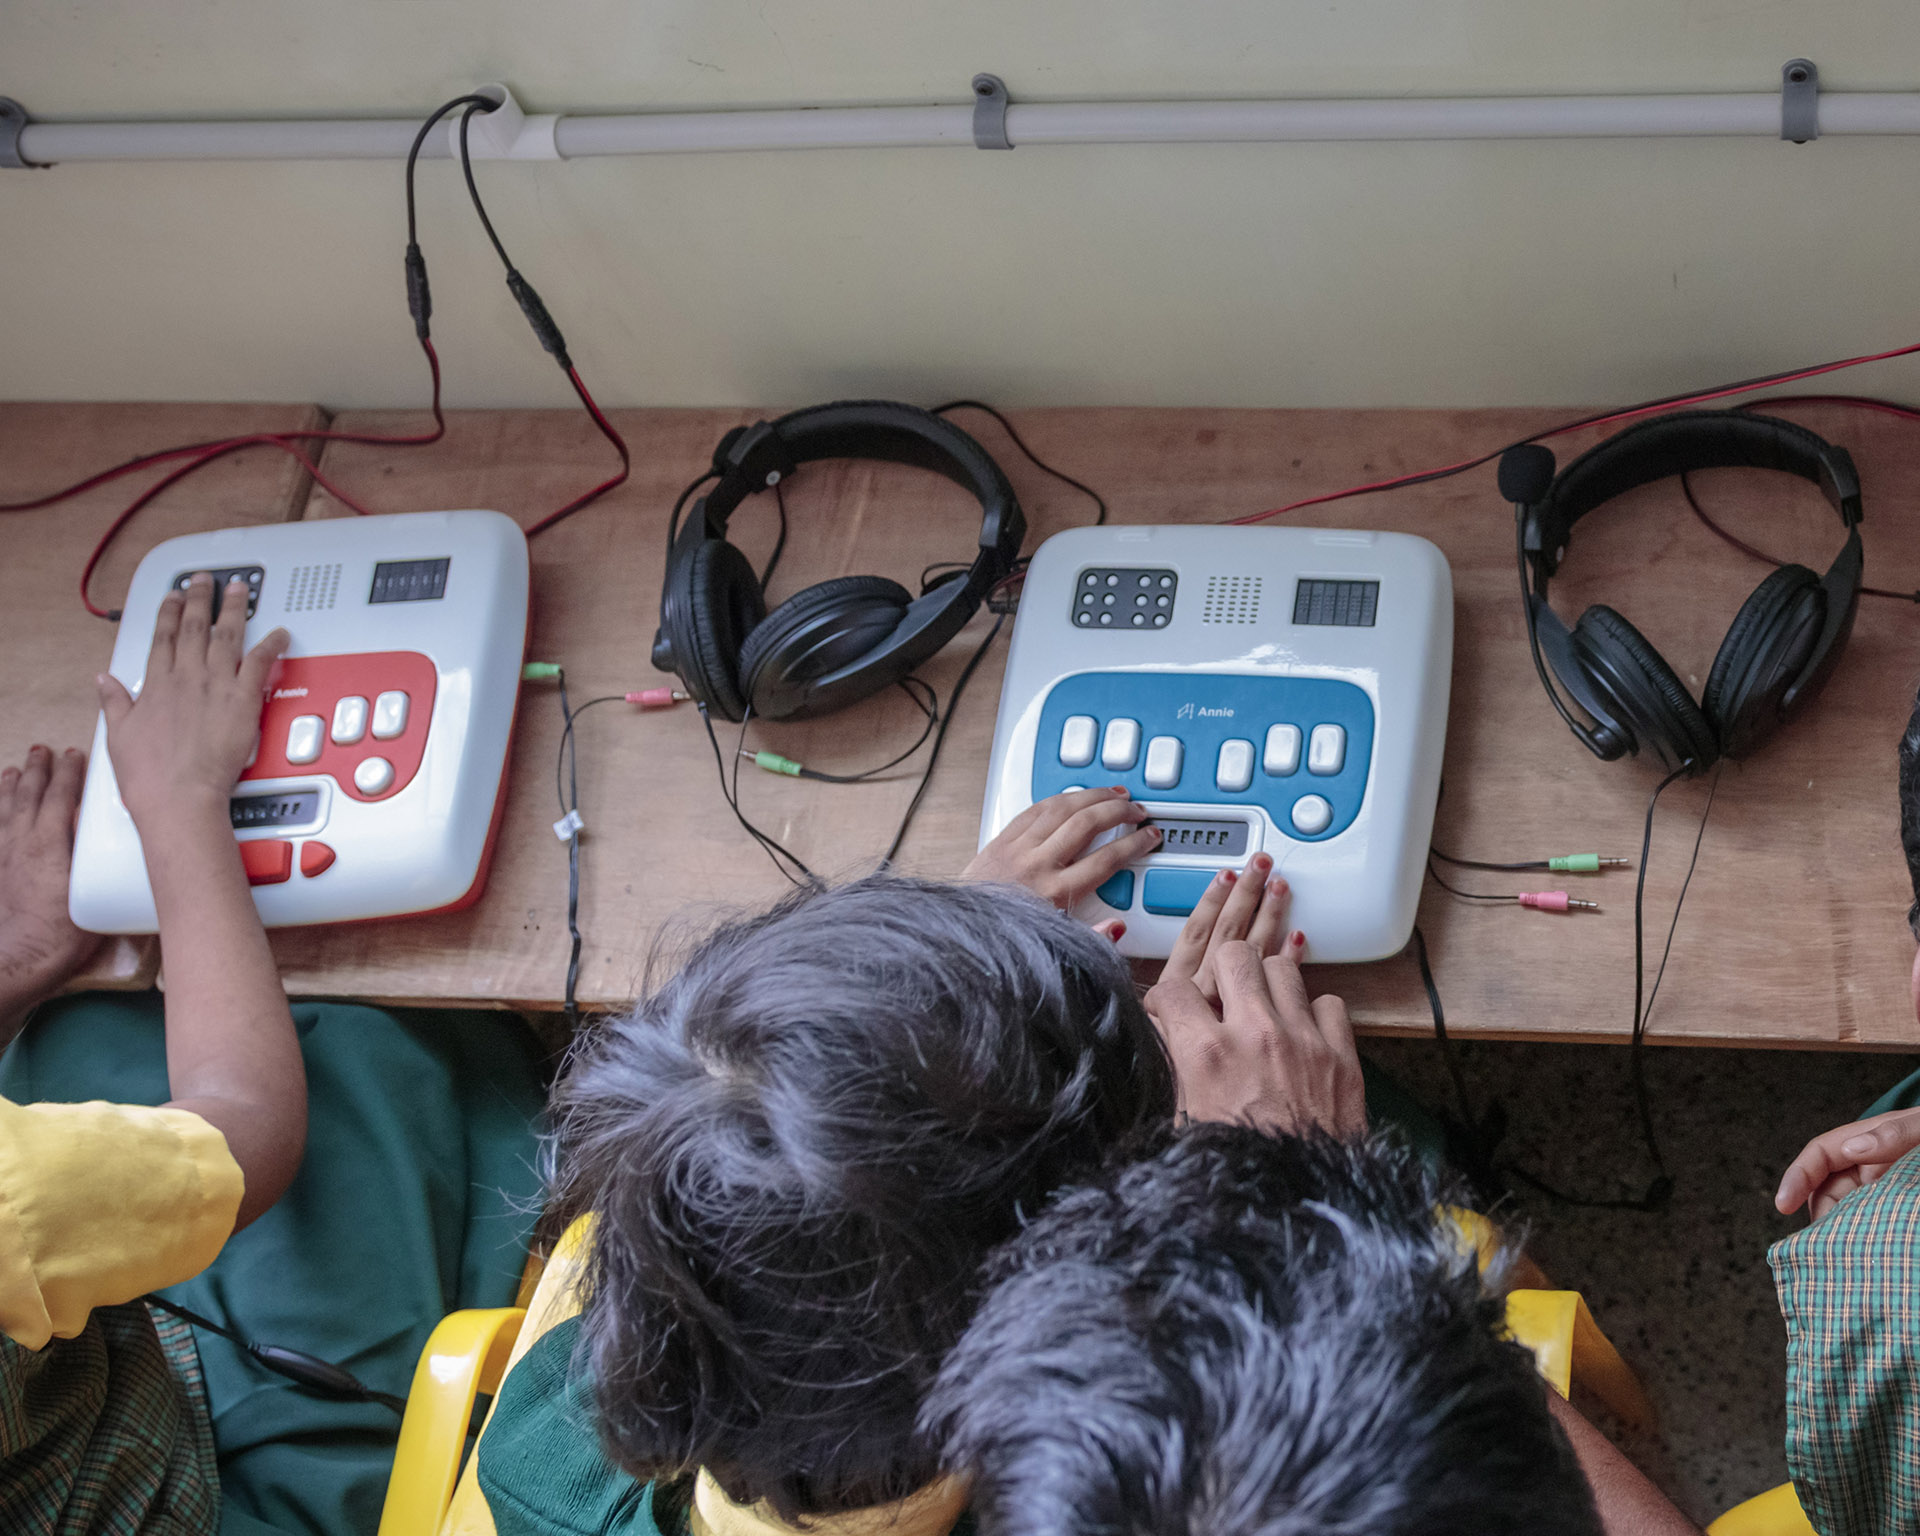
[(1910, 809), (1252, 1336), (801, 1149)]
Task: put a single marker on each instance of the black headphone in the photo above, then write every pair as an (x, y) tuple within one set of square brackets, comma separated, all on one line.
[(1783, 643), (837, 642)]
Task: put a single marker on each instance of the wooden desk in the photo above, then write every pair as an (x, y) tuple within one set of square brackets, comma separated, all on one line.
[(1794, 932), (52, 647)]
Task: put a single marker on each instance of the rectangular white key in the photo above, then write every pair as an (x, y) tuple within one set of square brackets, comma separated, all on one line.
[(1120, 749), (1282, 755), (1164, 757), (303, 738), (1076, 740), (389, 715), (349, 719), (1234, 770), (1327, 749)]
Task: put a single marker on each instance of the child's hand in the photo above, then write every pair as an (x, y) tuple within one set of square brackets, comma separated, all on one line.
[(39, 946), (1266, 1056), (186, 740), (1242, 905), (1045, 847), (1833, 1166), (1246, 1043)]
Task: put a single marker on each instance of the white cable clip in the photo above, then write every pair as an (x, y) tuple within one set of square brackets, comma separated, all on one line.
[(507, 132), (569, 826)]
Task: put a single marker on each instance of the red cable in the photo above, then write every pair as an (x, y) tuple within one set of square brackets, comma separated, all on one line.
[(188, 449), (201, 454), (217, 451), (619, 447), (1672, 402)]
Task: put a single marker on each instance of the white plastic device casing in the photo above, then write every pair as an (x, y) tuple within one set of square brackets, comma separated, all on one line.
[(1354, 891), (420, 847)]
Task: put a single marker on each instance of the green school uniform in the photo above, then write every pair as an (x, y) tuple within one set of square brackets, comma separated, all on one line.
[(416, 1197)]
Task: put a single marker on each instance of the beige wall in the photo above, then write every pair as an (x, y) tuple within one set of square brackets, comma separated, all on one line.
[(1447, 274)]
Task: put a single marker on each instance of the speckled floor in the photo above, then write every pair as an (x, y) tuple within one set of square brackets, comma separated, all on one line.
[(1686, 1295)]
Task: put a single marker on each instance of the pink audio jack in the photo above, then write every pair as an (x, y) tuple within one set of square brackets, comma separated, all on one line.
[(1555, 901), (656, 698)]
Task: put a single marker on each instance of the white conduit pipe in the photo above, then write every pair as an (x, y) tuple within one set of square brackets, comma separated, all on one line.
[(1755, 114)]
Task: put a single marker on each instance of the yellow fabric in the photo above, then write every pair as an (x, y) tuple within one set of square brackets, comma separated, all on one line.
[(555, 1299), (930, 1512), (100, 1203)]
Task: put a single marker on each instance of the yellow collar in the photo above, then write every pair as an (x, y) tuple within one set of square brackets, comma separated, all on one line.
[(930, 1512)]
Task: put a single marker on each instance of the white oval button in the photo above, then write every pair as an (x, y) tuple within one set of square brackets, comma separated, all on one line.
[(1120, 747), (1282, 755), (349, 720), (1076, 740), (1233, 771), (389, 714), (1312, 815), (375, 773), (1327, 750), (303, 738), (1164, 757)]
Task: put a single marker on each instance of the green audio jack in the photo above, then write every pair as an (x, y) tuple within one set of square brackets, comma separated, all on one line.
[(1583, 864), (773, 762)]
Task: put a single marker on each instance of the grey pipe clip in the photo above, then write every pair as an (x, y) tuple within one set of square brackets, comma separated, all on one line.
[(990, 113), (13, 117), (1799, 100)]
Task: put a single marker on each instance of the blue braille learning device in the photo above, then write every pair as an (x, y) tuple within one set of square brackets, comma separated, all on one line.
[(1256, 688)]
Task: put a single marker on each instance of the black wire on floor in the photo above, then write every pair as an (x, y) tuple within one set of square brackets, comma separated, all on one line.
[(1481, 1133)]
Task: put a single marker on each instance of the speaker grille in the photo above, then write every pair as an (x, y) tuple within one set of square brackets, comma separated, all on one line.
[(311, 588), (1231, 600)]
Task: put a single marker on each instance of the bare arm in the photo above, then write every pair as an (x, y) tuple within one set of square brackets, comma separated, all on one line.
[(232, 1056), (1628, 1503), (39, 946)]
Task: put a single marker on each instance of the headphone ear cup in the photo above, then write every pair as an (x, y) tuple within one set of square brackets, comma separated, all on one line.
[(723, 606), (1637, 678), (1764, 652), (818, 630)]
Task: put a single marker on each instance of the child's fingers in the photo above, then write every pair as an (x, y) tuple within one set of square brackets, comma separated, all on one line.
[(61, 803), (1237, 913), (1113, 929), (196, 620), (257, 665), (1070, 839), (1052, 813), (229, 628), (1110, 858), (115, 701), (1183, 960), (32, 783), (1270, 921), (1284, 981), (166, 633)]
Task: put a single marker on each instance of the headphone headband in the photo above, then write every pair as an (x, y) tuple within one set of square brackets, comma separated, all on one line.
[(1672, 445), (842, 640), (750, 459)]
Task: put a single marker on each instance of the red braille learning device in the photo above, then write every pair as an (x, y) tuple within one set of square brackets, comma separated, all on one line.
[(381, 770)]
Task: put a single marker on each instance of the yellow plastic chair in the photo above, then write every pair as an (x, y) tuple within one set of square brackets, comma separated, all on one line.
[(1567, 1345), (465, 1357), (1776, 1512)]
